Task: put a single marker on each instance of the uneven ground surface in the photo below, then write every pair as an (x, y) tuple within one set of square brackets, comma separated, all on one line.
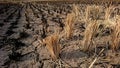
[(22, 26)]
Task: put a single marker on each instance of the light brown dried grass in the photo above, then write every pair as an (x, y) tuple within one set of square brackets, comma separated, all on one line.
[(53, 46), (76, 10), (107, 22), (115, 36), (92, 12), (69, 22), (87, 13), (89, 34)]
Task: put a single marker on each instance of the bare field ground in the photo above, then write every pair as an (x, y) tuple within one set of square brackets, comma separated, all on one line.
[(59, 35)]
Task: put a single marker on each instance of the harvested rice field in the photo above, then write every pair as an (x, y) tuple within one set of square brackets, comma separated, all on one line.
[(58, 34)]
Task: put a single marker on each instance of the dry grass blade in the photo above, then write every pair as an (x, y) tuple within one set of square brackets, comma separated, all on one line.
[(76, 10), (93, 62), (52, 44), (89, 34), (87, 13), (108, 12), (69, 25), (116, 35), (107, 22)]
